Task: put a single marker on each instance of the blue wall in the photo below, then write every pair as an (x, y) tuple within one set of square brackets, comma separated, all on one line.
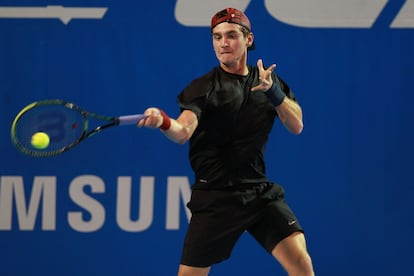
[(348, 176)]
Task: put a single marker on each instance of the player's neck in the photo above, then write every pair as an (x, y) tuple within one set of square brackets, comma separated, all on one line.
[(237, 69)]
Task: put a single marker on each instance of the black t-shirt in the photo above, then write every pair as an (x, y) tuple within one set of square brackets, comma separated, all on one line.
[(227, 148)]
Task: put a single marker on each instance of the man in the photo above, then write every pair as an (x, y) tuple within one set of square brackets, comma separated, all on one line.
[(227, 115)]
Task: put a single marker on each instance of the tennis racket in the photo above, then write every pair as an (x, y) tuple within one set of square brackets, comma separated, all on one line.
[(65, 123)]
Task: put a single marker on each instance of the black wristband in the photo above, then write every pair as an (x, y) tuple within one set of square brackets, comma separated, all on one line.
[(275, 94)]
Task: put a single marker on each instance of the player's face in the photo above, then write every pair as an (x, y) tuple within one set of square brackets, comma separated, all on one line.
[(230, 45)]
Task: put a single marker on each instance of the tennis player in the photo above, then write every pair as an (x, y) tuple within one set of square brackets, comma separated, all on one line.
[(227, 115)]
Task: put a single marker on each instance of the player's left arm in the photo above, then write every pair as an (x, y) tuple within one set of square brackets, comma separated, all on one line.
[(288, 110), (290, 114)]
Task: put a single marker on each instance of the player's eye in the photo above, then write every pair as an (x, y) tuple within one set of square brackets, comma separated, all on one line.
[(232, 35), (216, 36)]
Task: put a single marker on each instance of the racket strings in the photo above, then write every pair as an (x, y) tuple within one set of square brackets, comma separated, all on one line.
[(63, 125)]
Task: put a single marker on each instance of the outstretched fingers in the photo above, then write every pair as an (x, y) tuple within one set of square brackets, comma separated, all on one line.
[(265, 76)]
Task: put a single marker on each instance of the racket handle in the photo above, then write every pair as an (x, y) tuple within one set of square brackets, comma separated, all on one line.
[(130, 119)]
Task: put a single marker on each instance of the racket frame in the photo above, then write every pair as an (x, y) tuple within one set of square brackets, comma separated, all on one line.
[(85, 115)]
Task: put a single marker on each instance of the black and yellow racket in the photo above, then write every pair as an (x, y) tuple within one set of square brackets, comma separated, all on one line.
[(50, 127)]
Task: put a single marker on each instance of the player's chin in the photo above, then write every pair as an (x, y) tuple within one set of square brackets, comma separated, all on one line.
[(227, 60), (226, 56), (229, 64)]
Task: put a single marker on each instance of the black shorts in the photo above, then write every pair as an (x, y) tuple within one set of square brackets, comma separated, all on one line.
[(220, 217)]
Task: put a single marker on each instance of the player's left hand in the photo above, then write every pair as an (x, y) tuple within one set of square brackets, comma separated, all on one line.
[(265, 77)]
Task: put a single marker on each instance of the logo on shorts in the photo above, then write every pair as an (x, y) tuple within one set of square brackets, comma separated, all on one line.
[(291, 222)]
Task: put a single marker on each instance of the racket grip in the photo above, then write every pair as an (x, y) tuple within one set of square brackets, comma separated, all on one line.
[(130, 119)]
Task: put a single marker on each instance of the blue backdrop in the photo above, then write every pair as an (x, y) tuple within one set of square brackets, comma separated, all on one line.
[(115, 205)]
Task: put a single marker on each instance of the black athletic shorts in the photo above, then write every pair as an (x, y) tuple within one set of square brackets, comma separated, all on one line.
[(220, 217)]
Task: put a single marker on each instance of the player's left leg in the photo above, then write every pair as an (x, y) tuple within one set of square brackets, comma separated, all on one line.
[(185, 270), (292, 254)]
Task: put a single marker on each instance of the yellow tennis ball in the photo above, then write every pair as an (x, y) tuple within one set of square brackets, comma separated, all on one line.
[(40, 140)]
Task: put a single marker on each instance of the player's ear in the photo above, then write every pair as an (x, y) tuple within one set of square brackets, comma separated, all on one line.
[(250, 39)]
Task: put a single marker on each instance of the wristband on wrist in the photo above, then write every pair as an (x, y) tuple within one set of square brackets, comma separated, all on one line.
[(166, 121), (275, 94)]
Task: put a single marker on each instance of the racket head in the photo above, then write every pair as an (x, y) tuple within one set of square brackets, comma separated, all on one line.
[(65, 123)]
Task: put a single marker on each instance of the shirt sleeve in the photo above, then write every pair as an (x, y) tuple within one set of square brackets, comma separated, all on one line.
[(284, 86), (194, 96)]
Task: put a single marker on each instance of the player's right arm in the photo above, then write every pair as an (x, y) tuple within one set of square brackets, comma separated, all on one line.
[(180, 130)]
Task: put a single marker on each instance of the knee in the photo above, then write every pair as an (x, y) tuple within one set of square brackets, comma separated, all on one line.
[(293, 255), (303, 267)]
